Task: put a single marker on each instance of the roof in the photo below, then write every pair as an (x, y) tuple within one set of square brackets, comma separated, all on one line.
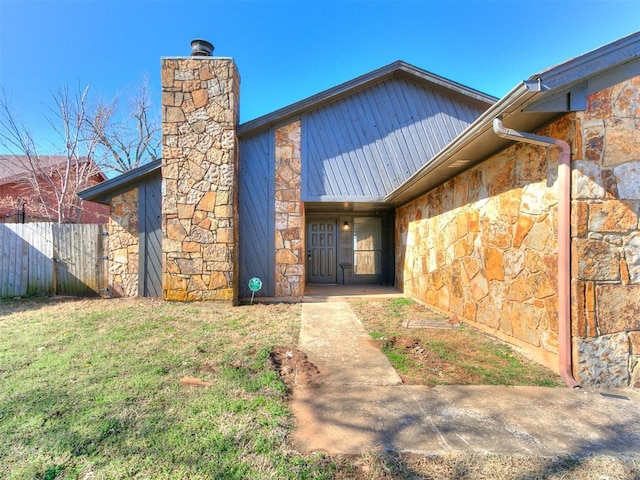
[(395, 69), (103, 192), (15, 167), (529, 105)]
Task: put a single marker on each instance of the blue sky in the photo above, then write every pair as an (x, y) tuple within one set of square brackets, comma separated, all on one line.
[(289, 50)]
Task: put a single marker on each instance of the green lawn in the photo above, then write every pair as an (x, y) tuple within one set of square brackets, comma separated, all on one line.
[(91, 389)]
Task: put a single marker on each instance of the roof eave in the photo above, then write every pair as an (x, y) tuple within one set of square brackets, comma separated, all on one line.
[(602, 58), (102, 192), (479, 138), (420, 182), (344, 89)]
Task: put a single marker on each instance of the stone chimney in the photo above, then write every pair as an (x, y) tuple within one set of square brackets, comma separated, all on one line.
[(200, 103)]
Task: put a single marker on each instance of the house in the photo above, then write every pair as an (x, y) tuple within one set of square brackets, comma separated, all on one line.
[(21, 202), (518, 215)]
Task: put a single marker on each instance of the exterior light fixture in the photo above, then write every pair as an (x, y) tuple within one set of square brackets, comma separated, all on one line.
[(345, 226)]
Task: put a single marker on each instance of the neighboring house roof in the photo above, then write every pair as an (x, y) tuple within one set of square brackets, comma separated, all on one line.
[(398, 69), (528, 106), (16, 167), (105, 191)]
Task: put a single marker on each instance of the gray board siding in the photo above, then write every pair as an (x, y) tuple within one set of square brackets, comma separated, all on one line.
[(364, 146), (150, 224), (256, 208)]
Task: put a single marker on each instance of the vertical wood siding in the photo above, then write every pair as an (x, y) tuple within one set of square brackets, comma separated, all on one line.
[(150, 261), (256, 208), (46, 258), (366, 145)]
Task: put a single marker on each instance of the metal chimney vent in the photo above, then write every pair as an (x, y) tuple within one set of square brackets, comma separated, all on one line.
[(201, 48)]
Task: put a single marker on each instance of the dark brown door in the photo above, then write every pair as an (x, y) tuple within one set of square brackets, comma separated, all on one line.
[(321, 251)]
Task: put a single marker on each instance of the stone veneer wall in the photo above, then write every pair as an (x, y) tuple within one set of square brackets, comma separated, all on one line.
[(123, 245), (606, 239), (200, 98), (483, 246), (289, 213)]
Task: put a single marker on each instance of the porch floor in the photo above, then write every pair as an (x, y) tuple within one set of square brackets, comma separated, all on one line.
[(332, 293), (338, 293)]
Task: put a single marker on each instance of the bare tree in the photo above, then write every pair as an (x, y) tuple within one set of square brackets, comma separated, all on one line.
[(53, 181), (127, 138)]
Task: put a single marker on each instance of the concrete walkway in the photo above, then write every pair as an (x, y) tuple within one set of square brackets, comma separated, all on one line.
[(359, 404)]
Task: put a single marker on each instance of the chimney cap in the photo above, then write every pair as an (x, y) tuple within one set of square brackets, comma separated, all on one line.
[(201, 48)]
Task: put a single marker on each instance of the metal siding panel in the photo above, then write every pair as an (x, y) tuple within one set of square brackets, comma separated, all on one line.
[(371, 164), (414, 132), (142, 239), (387, 118), (256, 213), (344, 170), (367, 144), (150, 202), (154, 237), (406, 147), (335, 166), (312, 171)]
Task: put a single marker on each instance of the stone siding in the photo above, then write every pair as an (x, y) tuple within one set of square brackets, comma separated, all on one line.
[(483, 247), (200, 100), (606, 238), (123, 245), (289, 213)]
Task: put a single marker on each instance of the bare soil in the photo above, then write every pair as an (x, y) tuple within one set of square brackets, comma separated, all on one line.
[(293, 366), (443, 351)]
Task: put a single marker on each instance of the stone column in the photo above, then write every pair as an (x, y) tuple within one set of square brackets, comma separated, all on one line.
[(289, 211), (200, 100)]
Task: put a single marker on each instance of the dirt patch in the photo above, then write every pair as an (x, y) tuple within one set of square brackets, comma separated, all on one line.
[(422, 356), (443, 352), (293, 366)]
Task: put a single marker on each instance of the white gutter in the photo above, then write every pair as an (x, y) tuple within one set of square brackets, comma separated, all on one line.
[(564, 240)]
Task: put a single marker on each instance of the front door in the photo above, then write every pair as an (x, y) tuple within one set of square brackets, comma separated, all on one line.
[(321, 251)]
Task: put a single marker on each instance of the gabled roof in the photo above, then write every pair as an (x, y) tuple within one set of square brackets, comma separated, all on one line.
[(528, 106), (105, 191), (396, 69), (16, 167)]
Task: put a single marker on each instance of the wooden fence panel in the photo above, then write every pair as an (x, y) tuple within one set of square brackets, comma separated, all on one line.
[(77, 255), (40, 276), (26, 259), (25, 262)]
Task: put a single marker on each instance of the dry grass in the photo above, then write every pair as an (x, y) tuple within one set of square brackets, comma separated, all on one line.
[(463, 466)]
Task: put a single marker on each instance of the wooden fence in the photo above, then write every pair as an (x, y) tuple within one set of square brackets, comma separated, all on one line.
[(51, 259)]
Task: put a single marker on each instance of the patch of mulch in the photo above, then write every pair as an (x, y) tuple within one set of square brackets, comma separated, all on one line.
[(293, 366)]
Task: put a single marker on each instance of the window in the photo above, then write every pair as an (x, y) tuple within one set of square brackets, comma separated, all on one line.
[(367, 254)]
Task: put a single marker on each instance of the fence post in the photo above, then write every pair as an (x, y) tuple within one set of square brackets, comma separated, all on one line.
[(54, 261)]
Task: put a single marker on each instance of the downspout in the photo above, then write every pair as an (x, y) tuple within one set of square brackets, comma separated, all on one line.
[(564, 239)]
